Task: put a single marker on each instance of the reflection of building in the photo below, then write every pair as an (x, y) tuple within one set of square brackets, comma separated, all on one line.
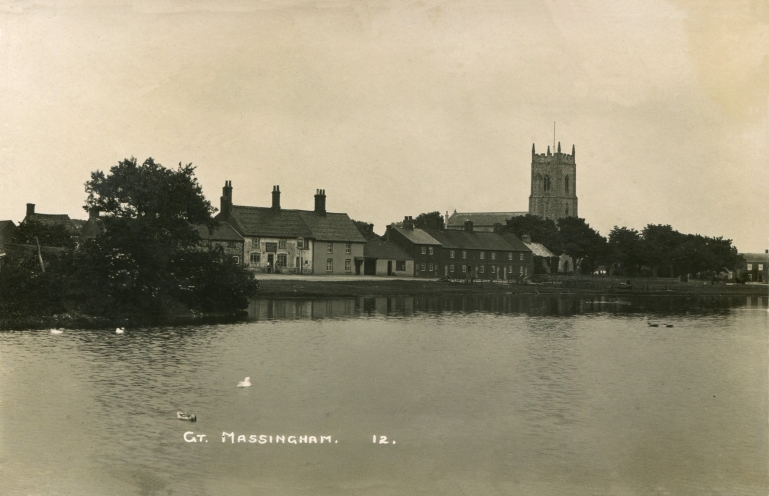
[(294, 241), (755, 268)]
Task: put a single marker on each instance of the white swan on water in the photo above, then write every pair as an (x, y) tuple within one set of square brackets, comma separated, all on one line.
[(245, 382), (120, 330), (57, 331)]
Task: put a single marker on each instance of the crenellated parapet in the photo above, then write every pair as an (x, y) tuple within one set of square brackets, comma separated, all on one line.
[(553, 158)]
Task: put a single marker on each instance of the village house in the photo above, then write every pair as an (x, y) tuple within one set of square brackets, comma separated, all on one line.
[(225, 237), (755, 268), (73, 226), (425, 250), (385, 258), (543, 260), (480, 255), (278, 240)]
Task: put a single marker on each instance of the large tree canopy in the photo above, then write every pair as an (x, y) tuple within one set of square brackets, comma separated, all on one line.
[(147, 257), (169, 202), (540, 229)]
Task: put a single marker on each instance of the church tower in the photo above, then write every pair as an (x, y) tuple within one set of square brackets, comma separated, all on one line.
[(553, 184)]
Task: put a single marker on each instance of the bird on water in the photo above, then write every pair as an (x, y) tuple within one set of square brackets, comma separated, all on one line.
[(120, 330), (245, 382), (57, 331), (186, 416)]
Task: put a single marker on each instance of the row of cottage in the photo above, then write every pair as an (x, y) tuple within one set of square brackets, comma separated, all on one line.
[(277, 240)]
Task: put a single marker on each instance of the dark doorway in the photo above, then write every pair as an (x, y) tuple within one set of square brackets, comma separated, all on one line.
[(270, 262), (369, 267), (389, 267)]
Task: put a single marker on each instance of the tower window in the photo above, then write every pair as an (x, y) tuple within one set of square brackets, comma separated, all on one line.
[(566, 180), (546, 183)]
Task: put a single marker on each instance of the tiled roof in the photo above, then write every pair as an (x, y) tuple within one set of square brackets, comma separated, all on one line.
[(470, 241), (379, 248), (417, 236), (539, 250), (332, 227), (282, 223), (224, 232), (756, 257), (73, 226), (4, 223), (516, 243), (484, 219)]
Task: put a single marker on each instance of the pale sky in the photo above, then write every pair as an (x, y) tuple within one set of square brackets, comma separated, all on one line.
[(398, 107)]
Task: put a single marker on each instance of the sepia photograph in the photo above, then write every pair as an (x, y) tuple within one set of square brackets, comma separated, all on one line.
[(385, 247)]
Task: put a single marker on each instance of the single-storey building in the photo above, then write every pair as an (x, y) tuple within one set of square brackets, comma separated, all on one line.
[(384, 258)]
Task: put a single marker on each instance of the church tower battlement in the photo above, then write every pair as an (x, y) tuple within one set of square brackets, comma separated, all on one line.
[(553, 184)]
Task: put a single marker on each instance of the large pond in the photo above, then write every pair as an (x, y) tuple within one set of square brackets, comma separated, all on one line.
[(490, 395)]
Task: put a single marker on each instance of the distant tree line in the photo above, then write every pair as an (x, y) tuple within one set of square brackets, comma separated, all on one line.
[(146, 258), (657, 250)]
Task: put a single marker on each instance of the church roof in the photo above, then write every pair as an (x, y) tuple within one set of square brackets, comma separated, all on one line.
[(480, 219)]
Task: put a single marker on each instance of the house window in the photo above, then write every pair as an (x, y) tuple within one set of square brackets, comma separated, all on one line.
[(255, 243), (431, 250), (430, 267), (296, 263), (300, 243), (329, 264), (282, 261), (451, 268), (329, 247), (281, 244), (492, 269), (482, 268), (509, 256), (451, 254), (483, 255), (256, 258), (464, 255), (423, 267), (750, 266), (760, 266), (520, 257), (493, 255), (347, 265), (236, 260), (400, 265), (464, 268), (520, 269), (348, 248), (232, 244), (424, 250)]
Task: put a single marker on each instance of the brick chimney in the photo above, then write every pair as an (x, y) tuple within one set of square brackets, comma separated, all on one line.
[(320, 201), (526, 238), (276, 197), (408, 223), (30, 209), (93, 213), (225, 201), (469, 226)]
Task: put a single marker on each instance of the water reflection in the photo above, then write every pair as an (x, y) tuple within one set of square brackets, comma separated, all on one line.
[(542, 305)]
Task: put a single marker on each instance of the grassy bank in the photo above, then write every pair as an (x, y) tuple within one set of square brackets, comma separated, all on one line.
[(276, 288)]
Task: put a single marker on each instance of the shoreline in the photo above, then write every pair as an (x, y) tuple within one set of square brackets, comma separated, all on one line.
[(319, 289)]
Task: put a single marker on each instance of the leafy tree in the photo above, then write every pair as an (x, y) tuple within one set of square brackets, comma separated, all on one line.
[(582, 243), (429, 220), (47, 234), (366, 229), (540, 229), (147, 257), (659, 245), (625, 250)]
